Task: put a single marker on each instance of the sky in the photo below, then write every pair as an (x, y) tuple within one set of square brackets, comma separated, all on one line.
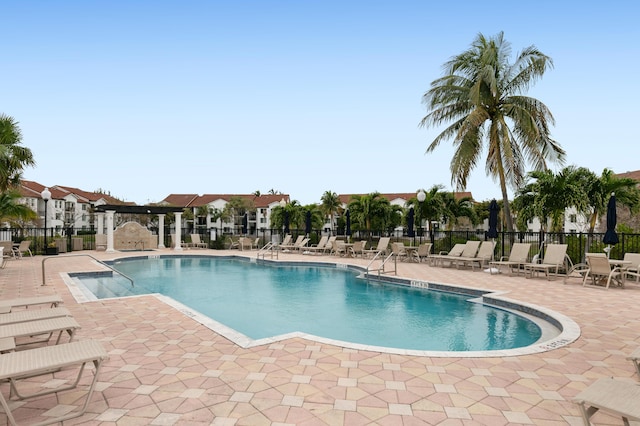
[(143, 99)]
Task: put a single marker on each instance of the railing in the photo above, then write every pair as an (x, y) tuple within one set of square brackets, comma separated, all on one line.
[(78, 255), (270, 248), (381, 269)]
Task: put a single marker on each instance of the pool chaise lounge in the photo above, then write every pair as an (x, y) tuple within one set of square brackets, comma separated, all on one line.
[(45, 360), (24, 315), (635, 359), (611, 395), (7, 305), (47, 327)]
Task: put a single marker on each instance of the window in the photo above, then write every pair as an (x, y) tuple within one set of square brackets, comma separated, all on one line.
[(573, 218)]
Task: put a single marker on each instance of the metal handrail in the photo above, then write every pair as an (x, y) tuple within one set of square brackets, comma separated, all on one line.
[(381, 268), (88, 255), (270, 247)]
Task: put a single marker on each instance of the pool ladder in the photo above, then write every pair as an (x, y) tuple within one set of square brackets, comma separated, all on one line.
[(270, 249), (381, 269)]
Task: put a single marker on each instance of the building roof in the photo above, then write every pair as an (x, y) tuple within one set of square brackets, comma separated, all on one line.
[(194, 200), (631, 175), (89, 196)]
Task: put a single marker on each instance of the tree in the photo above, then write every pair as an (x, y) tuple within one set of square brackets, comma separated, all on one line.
[(433, 206), (481, 96), (626, 190), (330, 205), (370, 211), (13, 157), (548, 195), (455, 208), (11, 210)]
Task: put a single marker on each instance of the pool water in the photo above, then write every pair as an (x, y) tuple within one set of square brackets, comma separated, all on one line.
[(266, 300)]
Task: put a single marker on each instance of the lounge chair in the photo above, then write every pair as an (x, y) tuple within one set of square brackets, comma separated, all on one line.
[(317, 248), (423, 253), (293, 246), (358, 248), (634, 267), (469, 250), (23, 315), (301, 245), (48, 326), (45, 360), (456, 250), (600, 270), (381, 248), (482, 257), (611, 395), (197, 242), (245, 243), (518, 257), (398, 251), (635, 359), (286, 240), (7, 305), (552, 261), (338, 248), (23, 248)]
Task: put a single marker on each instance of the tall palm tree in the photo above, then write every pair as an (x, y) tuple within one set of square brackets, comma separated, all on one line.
[(432, 208), (13, 157), (481, 96), (456, 208), (626, 190), (330, 205)]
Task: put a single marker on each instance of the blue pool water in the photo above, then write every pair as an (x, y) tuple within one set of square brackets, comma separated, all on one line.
[(262, 301)]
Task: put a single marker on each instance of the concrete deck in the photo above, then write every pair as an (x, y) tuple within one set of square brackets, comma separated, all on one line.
[(167, 369)]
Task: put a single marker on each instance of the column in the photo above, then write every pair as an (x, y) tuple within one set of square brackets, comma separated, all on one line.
[(178, 225), (161, 231), (109, 217), (100, 228)]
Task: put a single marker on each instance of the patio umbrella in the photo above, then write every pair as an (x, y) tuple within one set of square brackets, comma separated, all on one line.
[(307, 222), (244, 223), (493, 219), (286, 222), (410, 232), (348, 231), (610, 237)]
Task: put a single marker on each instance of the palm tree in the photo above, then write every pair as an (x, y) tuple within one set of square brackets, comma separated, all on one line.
[(548, 195), (13, 157), (330, 205), (481, 96), (456, 208), (626, 190), (370, 211), (432, 208), (11, 210)]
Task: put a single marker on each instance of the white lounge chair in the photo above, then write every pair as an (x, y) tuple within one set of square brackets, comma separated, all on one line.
[(44, 360), (611, 395), (552, 261), (423, 253), (47, 327), (23, 315), (469, 250), (519, 256), (196, 242), (381, 248), (23, 248), (600, 270), (293, 246), (482, 257), (317, 248), (634, 267), (456, 251), (7, 305)]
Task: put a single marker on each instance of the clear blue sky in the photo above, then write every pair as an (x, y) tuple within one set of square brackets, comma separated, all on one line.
[(148, 98)]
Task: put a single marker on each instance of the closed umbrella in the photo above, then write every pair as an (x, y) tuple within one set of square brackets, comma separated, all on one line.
[(493, 219), (244, 224), (286, 222), (307, 223), (410, 219), (348, 232), (610, 236)]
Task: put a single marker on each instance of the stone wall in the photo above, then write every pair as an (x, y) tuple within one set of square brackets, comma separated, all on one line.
[(133, 236)]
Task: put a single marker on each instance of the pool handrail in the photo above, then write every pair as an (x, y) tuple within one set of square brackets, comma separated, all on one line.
[(78, 255)]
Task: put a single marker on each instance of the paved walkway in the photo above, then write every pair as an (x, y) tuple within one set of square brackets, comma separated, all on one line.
[(167, 369)]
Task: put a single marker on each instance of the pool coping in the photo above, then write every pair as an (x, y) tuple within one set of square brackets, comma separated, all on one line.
[(569, 330)]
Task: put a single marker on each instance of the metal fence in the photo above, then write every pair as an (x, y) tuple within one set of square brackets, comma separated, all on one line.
[(578, 243)]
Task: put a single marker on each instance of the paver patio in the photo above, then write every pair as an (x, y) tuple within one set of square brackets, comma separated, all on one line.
[(167, 369)]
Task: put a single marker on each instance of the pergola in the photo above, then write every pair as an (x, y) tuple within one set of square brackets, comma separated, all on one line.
[(107, 211)]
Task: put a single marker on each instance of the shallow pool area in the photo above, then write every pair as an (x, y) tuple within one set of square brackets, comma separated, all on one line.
[(251, 303)]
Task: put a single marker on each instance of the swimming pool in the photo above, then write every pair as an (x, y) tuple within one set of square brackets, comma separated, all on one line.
[(266, 300)]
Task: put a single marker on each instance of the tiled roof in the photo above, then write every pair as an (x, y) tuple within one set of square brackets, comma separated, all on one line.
[(632, 175), (193, 200)]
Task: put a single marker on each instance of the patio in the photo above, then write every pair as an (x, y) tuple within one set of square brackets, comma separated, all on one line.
[(165, 368)]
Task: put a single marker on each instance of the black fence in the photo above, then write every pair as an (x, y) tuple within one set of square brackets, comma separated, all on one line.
[(578, 243)]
